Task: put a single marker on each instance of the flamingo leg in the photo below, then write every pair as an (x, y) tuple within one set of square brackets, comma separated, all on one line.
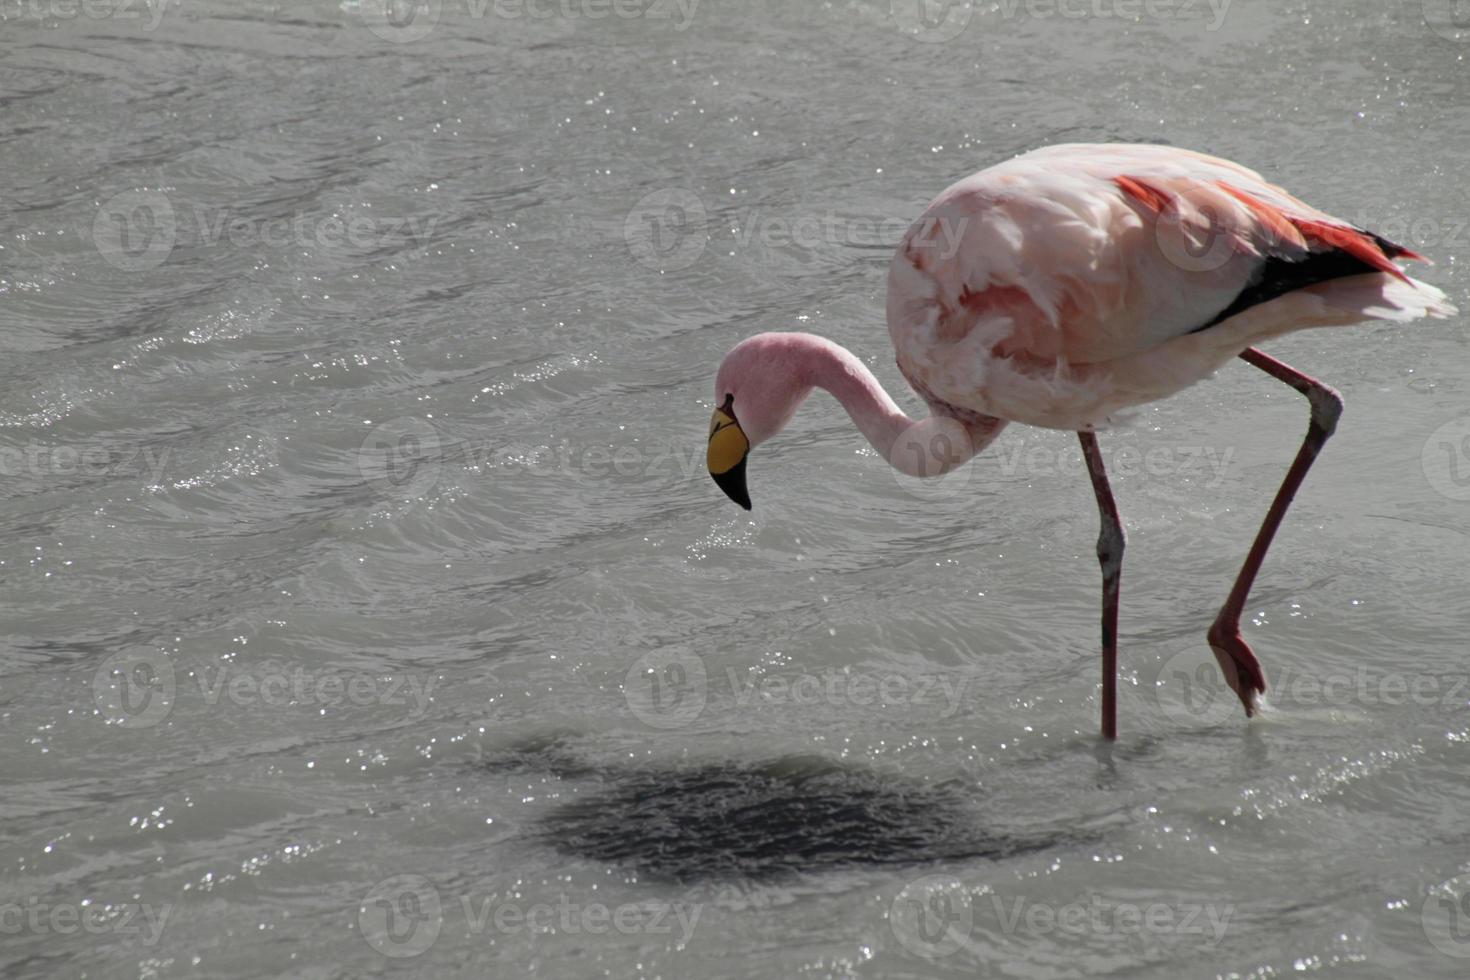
[(1242, 669), (1110, 542)]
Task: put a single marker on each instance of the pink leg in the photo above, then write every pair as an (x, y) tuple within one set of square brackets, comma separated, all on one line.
[(1242, 670), (1110, 542)]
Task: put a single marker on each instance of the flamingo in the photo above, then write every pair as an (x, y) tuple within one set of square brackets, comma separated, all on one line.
[(1065, 285)]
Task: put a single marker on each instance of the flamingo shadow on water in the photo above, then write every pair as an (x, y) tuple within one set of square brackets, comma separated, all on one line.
[(761, 820), (1064, 286)]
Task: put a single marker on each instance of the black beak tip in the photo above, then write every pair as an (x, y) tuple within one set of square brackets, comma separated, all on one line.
[(733, 483)]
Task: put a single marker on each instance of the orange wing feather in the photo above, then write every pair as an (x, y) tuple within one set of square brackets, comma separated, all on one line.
[(1278, 228)]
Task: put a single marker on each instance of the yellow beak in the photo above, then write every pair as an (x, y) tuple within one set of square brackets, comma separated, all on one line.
[(728, 449)]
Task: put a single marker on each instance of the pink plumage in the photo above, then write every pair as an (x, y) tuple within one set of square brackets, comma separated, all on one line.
[(1070, 283), (1061, 286)]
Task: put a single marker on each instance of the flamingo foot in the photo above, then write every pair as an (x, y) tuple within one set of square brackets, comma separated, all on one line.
[(1239, 664)]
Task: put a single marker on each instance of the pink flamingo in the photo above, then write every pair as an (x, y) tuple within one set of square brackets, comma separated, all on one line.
[(1064, 285)]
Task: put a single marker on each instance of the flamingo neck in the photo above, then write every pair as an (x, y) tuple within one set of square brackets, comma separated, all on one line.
[(917, 447)]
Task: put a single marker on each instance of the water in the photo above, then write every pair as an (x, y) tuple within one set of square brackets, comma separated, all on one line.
[(367, 610)]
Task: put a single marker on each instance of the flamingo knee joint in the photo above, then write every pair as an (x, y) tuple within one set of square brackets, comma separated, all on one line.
[(1326, 408), (1110, 544)]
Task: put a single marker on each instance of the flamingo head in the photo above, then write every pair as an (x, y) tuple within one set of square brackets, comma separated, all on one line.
[(758, 388)]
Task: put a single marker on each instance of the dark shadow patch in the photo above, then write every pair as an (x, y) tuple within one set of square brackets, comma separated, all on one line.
[(762, 820)]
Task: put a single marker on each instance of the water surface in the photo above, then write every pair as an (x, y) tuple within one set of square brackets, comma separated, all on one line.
[(367, 611)]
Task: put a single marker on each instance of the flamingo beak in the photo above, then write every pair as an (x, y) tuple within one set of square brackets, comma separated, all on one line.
[(728, 450)]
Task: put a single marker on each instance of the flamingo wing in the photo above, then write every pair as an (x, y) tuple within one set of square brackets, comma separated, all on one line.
[(1020, 283)]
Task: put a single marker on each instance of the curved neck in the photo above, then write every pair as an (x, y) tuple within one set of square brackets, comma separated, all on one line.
[(917, 447)]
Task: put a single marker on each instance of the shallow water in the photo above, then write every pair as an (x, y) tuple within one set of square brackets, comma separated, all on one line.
[(367, 610)]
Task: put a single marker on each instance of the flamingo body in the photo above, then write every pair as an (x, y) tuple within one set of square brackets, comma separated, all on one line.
[(1074, 281), (1064, 286)]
